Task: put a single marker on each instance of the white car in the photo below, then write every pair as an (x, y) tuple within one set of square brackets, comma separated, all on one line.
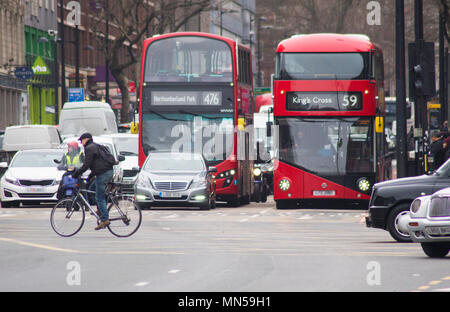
[(429, 223), (109, 143), (31, 178), (127, 145)]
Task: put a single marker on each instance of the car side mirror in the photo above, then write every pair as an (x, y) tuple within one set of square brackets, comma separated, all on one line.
[(212, 169), (57, 161), (121, 158)]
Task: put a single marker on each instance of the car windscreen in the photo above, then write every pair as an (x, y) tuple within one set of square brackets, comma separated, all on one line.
[(36, 160), (127, 146), (174, 163)]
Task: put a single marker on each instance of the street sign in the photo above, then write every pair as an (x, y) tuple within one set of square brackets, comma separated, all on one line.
[(76, 94), (24, 73), (39, 67)]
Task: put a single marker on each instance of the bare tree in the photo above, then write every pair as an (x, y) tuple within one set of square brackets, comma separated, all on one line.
[(131, 22), (444, 9)]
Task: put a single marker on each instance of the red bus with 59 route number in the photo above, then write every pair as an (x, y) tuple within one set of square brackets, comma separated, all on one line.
[(328, 109)]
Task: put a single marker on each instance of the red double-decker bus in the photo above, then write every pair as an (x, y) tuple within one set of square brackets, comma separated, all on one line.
[(329, 108), (195, 90)]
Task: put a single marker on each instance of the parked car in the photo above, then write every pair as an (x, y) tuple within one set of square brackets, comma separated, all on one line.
[(127, 145), (390, 201), (429, 223), (109, 143), (32, 177), (169, 179)]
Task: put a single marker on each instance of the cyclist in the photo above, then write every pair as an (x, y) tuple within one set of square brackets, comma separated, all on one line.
[(101, 170)]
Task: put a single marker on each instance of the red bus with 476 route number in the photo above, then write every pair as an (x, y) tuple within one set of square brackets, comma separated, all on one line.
[(328, 109), (195, 89)]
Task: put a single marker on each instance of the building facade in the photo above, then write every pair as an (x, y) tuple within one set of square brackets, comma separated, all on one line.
[(40, 35), (13, 91)]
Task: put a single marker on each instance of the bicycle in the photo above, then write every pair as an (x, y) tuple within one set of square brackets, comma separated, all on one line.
[(68, 215)]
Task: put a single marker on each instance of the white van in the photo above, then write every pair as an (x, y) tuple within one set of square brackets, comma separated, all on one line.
[(94, 117), (27, 137)]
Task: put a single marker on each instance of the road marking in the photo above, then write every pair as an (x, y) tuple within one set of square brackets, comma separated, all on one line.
[(423, 287), (443, 290), (243, 220), (141, 284), (173, 271), (434, 282), (15, 241)]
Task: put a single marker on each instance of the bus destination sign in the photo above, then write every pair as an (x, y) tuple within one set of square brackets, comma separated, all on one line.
[(324, 101), (186, 98)]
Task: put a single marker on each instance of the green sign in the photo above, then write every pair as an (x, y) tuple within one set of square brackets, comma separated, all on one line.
[(39, 67)]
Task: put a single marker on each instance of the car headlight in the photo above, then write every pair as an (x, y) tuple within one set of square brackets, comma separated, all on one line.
[(12, 180), (284, 184), (143, 182), (415, 205), (363, 184), (256, 172), (199, 183)]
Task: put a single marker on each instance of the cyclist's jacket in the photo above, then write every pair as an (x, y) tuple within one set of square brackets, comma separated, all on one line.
[(93, 161)]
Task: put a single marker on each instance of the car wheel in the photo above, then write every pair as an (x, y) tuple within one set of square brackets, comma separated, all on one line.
[(394, 223), (436, 250), (206, 206)]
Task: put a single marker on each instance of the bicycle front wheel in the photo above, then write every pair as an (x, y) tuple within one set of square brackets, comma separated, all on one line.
[(125, 216), (67, 217)]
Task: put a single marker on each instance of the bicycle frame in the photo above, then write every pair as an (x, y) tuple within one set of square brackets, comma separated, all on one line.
[(109, 197)]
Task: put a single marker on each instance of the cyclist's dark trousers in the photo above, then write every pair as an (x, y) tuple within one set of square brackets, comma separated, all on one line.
[(101, 182)]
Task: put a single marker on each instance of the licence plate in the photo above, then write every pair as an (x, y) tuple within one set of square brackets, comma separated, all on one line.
[(324, 193), (35, 190), (170, 195)]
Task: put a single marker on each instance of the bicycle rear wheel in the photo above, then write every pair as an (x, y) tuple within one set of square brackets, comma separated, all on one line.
[(125, 216), (67, 217)]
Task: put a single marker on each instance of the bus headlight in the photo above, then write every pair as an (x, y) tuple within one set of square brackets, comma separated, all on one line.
[(284, 184), (257, 172), (363, 184)]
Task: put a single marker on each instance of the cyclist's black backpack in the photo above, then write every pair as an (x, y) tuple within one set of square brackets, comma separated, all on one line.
[(106, 155)]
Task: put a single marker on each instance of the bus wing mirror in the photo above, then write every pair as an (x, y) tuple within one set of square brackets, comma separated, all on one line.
[(271, 84)]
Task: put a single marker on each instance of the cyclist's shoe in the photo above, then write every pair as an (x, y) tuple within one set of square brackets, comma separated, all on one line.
[(102, 225)]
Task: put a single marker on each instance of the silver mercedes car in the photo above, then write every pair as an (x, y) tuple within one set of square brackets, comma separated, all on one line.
[(174, 180)]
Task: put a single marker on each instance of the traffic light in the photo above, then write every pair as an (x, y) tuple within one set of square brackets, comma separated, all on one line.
[(418, 79), (421, 70)]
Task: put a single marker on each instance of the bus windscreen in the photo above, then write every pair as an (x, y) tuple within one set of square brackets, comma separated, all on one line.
[(188, 59), (322, 66)]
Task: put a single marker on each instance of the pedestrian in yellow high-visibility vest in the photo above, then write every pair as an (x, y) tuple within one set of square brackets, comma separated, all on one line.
[(74, 156)]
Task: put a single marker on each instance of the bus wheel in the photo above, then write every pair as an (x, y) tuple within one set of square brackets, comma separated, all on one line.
[(233, 202), (285, 204), (436, 250), (394, 223)]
